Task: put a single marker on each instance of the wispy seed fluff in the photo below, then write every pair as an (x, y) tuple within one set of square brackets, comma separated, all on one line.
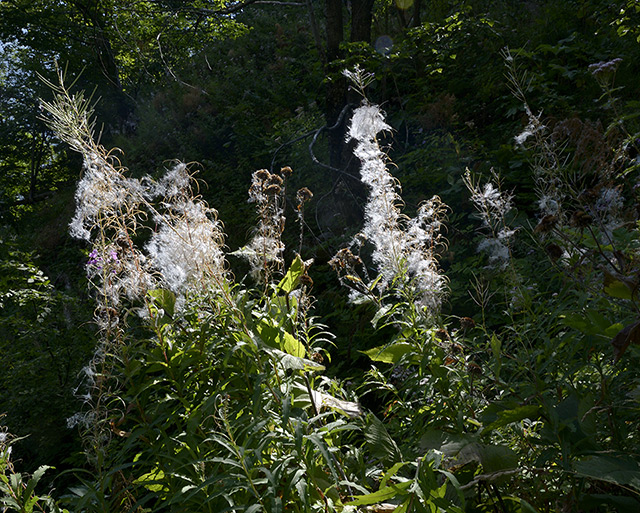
[(493, 206), (404, 249), (103, 191), (187, 246)]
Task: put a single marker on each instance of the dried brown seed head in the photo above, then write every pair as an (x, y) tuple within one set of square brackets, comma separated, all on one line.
[(273, 189), (546, 224), (286, 171), (262, 174)]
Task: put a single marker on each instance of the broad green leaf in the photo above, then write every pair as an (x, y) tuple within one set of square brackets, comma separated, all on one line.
[(292, 362), (164, 299), (389, 354), (612, 468), (280, 339), (292, 278), (293, 346), (152, 481), (617, 289), (506, 417), (448, 443), (495, 458), (269, 334)]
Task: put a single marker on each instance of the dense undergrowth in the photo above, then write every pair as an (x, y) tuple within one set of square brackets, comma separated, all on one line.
[(476, 357), (211, 393)]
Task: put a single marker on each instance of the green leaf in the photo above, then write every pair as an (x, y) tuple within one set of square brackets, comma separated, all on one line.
[(496, 347), (383, 494), (506, 417), (389, 354), (152, 481), (31, 485), (293, 346), (292, 362), (616, 468), (380, 443), (292, 279), (448, 443), (391, 472), (496, 458), (617, 289), (164, 299)]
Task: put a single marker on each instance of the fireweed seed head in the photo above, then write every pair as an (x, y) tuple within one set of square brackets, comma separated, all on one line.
[(174, 182), (102, 191), (187, 247), (366, 123), (496, 250), (610, 201), (402, 247), (549, 205)]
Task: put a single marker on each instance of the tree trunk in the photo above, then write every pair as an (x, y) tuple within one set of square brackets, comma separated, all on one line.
[(335, 95), (361, 18)]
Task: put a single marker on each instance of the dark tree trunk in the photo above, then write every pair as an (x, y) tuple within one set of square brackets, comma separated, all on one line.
[(361, 18), (336, 87), (416, 21)]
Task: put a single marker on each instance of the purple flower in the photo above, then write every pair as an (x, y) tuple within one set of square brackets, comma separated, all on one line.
[(95, 259), (602, 67), (114, 255)]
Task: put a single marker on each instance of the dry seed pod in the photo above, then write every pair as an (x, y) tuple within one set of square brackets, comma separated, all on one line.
[(275, 180), (580, 219), (286, 172), (546, 224), (306, 280), (262, 174)]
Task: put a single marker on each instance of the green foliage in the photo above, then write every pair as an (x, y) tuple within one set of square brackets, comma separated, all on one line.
[(523, 397)]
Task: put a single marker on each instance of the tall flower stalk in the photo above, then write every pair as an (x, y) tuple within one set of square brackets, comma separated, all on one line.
[(404, 249), (112, 212)]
